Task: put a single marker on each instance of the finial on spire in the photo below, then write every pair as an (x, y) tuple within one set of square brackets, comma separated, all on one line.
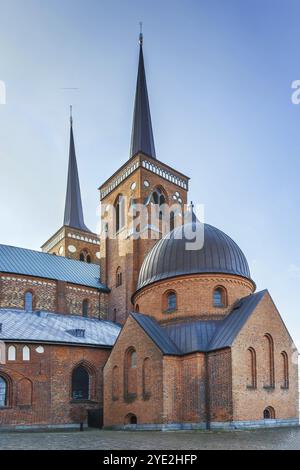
[(71, 117), (141, 37)]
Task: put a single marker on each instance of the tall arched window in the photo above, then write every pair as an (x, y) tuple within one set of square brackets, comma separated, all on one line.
[(88, 259), (269, 361), (80, 384), (26, 353), (220, 297), (28, 301), (285, 370), (82, 256), (251, 363), (120, 212), (115, 315), (3, 392), (130, 374), (119, 278), (11, 353), (85, 308)]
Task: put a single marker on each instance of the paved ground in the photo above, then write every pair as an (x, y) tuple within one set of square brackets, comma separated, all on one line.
[(285, 438)]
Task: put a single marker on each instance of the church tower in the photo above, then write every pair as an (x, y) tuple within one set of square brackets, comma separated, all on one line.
[(74, 240), (142, 180)]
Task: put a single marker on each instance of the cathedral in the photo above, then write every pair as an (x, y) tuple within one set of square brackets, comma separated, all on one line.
[(139, 332)]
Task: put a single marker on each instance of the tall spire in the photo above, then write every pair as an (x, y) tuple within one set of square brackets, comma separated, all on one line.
[(73, 207), (142, 135)]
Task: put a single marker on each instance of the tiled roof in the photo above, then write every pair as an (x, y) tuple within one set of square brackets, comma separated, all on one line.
[(200, 335), (19, 325), (15, 260)]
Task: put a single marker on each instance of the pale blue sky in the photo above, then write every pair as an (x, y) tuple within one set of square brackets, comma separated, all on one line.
[(219, 77)]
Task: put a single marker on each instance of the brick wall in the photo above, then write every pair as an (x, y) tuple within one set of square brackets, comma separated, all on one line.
[(147, 409), (49, 376), (125, 252), (194, 296), (52, 296), (248, 404)]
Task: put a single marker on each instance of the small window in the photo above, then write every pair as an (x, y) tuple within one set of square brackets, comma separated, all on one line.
[(28, 301), (88, 259), (26, 353), (3, 392), (172, 301), (219, 297), (82, 257), (119, 278), (85, 308), (115, 315), (80, 384), (11, 356), (137, 308)]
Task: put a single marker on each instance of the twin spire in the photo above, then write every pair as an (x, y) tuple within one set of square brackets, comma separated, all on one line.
[(73, 207), (142, 135), (141, 141)]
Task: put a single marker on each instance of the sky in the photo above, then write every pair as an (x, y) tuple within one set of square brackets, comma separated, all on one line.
[(219, 80)]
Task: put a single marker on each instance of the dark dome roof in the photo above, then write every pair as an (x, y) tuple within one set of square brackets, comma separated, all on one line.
[(169, 257)]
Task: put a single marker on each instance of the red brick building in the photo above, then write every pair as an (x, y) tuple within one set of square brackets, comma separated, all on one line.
[(141, 325)]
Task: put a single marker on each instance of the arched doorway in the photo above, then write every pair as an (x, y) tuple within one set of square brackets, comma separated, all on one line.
[(269, 413)]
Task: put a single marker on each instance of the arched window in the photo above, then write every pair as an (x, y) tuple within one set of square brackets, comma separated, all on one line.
[(26, 353), (11, 353), (220, 297), (80, 384), (146, 378), (3, 392), (269, 361), (169, 301), (269, 413), (85, 256), (119, 279), (115, 315), (252, 374), (172, 221), (120, 212), (85, 308), (24, 392), (172, 301), (130, 374), (285, 370), (28, 301)]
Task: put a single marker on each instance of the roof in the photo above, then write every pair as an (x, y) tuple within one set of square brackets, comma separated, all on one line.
[(170, 257), (15, 260), (157, 334), (73, 207), (200, 335), (142, 135), (19, 325)]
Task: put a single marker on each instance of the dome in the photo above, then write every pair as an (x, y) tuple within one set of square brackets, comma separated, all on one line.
[(169, 256)]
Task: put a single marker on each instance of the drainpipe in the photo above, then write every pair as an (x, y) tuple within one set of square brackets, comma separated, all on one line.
[(207, 393)]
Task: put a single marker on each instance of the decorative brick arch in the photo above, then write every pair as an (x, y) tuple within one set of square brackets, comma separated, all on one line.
[(24, 392)]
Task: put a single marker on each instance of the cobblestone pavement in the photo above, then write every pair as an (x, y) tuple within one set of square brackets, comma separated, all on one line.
[(285, 438)]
